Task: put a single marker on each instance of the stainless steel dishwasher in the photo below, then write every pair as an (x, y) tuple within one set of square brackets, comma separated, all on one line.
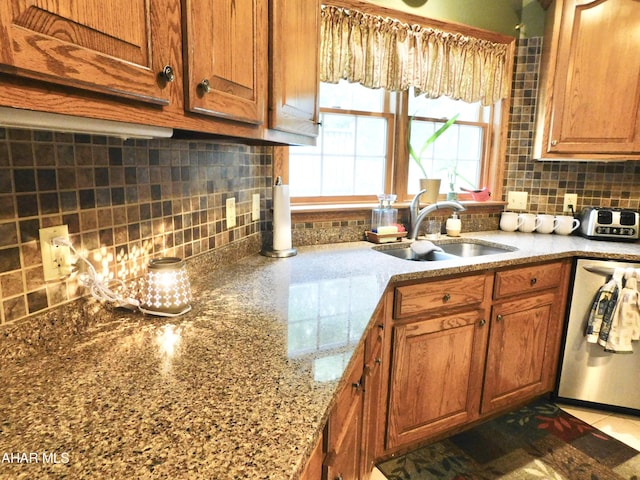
[(589, 375)]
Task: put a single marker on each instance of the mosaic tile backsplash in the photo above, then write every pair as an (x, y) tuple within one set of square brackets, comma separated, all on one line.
[(123, 201)]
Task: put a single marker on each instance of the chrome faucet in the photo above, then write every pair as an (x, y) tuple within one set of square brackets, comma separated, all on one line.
[(417, 216)]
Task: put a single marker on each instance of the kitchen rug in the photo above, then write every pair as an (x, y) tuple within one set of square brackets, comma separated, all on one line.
[(539, 441)]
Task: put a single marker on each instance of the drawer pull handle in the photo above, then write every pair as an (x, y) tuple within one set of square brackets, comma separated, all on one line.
[(205, 86), (446, 297), (499, 318), (168, 74), (533, 281)]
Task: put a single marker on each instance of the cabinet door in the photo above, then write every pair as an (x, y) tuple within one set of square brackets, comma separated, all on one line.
[(596, 93), (520, 351), (374, 393), (294, 74), (226, 50), (436, 376), (117, 47), (344, 429)]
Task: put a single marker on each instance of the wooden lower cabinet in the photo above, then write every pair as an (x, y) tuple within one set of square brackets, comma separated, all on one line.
[(526, 328), (459, 349), (454, 362), (344, 429), (437, 376), (522, 332)]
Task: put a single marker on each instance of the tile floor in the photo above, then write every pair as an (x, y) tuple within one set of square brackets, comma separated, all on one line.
[(625, 428)]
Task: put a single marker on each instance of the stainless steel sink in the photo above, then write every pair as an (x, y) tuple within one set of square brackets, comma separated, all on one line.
[(473, 249), (451, 250)]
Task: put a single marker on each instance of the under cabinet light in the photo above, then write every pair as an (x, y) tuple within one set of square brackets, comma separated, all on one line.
[(34, 120)]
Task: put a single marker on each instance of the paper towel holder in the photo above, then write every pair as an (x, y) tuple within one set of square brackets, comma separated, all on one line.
[(289, 252), (282, 252)]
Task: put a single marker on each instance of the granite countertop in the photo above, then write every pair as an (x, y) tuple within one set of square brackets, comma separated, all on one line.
[(238, 388)]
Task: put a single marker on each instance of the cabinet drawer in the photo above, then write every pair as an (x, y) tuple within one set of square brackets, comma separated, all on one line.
[(528, 279), (434, 296)]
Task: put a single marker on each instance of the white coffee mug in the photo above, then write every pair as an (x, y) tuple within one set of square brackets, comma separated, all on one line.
[(565, 224), (527, 222), (545, 223), (509, 221)]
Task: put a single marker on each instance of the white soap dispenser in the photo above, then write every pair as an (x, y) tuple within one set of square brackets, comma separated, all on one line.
[(454, 225)]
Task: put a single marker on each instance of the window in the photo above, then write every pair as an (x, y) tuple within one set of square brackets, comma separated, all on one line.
[(353, 153), (362, 148), (458, 154)]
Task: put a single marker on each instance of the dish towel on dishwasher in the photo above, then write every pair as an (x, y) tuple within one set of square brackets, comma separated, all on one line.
[(626, 319), (603, 307), (614, 318)]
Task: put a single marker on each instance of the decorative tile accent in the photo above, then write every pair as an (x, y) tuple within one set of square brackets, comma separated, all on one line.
[(124, 202)]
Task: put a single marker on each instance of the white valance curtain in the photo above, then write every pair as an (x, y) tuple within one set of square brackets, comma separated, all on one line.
[(381, 52)]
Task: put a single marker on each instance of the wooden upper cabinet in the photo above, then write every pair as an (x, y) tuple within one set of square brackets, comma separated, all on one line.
[(294, 62), (117, 47), (226, 49), (589, 107)]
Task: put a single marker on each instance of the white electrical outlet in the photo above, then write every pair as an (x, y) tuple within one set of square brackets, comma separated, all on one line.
[(517, 200), (56, 259), (255, 207), (231, 212), (570, 199)]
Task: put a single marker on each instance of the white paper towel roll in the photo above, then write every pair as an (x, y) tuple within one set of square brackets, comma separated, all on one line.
[(281, 218)]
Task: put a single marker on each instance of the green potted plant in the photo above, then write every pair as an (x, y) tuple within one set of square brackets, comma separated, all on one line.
[(432, 185)]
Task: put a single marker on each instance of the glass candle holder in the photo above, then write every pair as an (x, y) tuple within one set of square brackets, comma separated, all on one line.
[(167, 291)]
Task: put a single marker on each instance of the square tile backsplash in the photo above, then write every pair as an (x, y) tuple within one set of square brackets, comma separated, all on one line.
[(123, 201)]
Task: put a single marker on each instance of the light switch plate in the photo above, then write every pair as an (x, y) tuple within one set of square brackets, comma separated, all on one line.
[(255, 207), (517, 200), (231, 212), (55, 259), (570, 199)]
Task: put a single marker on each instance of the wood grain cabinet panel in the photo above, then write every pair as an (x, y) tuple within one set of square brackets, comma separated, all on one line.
[(427, 297), (294, 66), (226, 47), (436, 379), (589, 106), (345, 426), (117, 47), (517, 359), (526, 280)]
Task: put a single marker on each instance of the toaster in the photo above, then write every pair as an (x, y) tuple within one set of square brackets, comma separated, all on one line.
[(606, 223)]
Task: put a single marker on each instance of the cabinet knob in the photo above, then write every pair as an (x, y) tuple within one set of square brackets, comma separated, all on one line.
[(446, 297), (378, 361), (205, 86), (168, 73), (483, 322), (554, 142), (499, 318), (533, 281), (381, 326), (338, 477)]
